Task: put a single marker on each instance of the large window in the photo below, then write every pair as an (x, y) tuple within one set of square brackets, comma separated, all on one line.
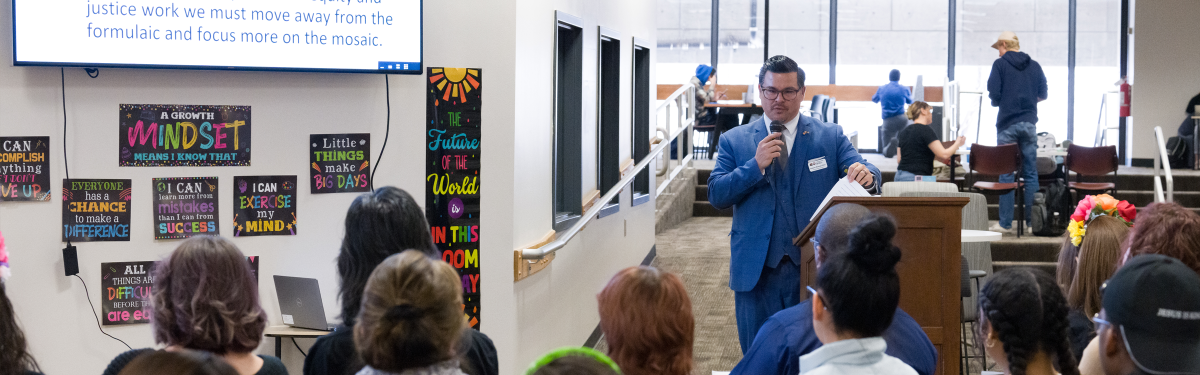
[(609, 117), (684, 39), (641, 118), (740, 42), (1041, 26), (799, 29), (1097, 67), (568, 121)]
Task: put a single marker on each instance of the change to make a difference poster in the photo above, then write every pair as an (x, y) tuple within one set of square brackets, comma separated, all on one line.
[(452, 174), (96, 210)]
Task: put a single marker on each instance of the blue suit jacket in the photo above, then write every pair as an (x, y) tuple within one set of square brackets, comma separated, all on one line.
[(789, 334), (737, 182)]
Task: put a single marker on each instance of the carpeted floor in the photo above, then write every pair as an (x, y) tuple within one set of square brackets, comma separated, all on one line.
[(698, 251)]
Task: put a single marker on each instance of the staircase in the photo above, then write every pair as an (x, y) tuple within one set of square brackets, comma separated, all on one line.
[(1029, 250)]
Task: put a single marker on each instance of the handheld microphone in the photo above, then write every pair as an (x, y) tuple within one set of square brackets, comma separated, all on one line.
[(777, 127)]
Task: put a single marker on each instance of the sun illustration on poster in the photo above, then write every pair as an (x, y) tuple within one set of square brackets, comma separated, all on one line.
[(454, 82)]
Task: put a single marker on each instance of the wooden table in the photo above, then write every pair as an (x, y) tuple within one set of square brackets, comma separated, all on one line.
[(737, 107), (280, 332), (970, 235)]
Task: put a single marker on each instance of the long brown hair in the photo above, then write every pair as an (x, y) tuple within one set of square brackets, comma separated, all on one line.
[(205, 298), (1067, 258), (14, 355), (411, 313), (1168, 229), (646, 317), (1098, 255)]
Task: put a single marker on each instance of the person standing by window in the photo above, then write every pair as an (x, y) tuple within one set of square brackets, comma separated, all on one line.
[(1016, 85), (892, 97)]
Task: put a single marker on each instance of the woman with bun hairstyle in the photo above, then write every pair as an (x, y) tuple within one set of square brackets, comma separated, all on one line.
[(1024, 323), (856, 297), (411, 318), (919, 145)]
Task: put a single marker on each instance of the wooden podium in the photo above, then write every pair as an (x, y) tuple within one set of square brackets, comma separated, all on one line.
[(928, 235)]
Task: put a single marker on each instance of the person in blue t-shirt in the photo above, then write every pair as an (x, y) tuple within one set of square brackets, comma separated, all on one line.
[(789, 333), (892, 97)]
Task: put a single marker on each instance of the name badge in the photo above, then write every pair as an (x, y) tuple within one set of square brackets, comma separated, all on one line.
[(817, 164)]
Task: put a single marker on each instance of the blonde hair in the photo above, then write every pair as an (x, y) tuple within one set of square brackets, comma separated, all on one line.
[(411, 313), (1012, 45), (914, 110)]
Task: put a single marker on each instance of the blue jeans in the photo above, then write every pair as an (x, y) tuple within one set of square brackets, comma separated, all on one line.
[(1024, 134), (904, 176)]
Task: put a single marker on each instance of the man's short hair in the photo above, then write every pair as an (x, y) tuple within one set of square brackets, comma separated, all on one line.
[(780, 64), (833, 231), (894, 75)]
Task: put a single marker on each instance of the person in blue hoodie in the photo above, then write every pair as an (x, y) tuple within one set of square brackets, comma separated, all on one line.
[(892, 97), (1016, 85), (789, 334)]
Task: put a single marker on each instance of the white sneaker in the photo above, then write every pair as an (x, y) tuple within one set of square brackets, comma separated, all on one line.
[(997, 228)]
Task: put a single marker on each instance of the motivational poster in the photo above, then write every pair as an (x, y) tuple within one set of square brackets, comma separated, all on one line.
[(156, 135), (126, 288), (339, 163), (96, 210), (185, 207), (24, 169), (452, 174), (264, 206)]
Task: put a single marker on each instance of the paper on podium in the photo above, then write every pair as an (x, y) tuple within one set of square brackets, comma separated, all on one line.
[(843, 188)]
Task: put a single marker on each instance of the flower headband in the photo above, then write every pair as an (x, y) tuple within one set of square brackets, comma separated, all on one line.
[(570, 351), (4, 272), (1098, 205)]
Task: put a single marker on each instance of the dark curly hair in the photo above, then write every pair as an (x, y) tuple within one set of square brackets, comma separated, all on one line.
[(1027, 310), (378, 224), (205, 298), (861, 286), (14, 355)]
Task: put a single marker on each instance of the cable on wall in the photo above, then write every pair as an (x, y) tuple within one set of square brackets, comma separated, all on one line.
[(87, 296), (387, 90)]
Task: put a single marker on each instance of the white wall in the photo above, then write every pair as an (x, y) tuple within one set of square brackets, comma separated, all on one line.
[(1164, 76), (557, 307), (286, 107)]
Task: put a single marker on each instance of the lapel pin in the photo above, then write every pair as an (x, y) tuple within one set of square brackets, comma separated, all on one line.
[(805, 132)]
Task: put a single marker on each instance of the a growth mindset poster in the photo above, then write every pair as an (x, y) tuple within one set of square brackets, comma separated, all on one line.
[(24, 169), (185, 207), (156, 135), (264, 206), (96, 210), (452, 174), (339, 163)]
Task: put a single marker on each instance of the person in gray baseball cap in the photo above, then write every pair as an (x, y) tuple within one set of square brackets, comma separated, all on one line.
[(1150, 323)]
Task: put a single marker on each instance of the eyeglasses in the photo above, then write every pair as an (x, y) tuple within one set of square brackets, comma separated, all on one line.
[(814, 242), (814, 294), (773, 94)]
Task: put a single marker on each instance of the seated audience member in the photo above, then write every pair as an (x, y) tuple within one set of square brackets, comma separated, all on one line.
[(380, 224), (1099, 251), (184, 362), (789, 334), (574, 361), (14, 355), (205, 298), (920, 145), (1162, 228), (647, 321), (1068, 260), (1150, 323), (1023, 323), (411, 318), (854, 302)]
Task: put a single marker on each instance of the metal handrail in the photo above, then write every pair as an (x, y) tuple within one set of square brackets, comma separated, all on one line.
[(1162, 159), (687, 118)]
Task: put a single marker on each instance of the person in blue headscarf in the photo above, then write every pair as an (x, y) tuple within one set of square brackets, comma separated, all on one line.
[(704, 75)]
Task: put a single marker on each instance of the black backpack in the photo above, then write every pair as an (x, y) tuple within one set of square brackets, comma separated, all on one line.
[(1177, 151), (1052, 209)]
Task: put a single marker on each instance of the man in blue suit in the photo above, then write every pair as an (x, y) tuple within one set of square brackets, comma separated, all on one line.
[(775, 180)]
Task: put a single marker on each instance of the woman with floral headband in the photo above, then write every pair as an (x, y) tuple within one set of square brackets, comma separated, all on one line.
[(1098, 228)]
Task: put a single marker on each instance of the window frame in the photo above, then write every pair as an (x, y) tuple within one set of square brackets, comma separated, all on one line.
[(608, 166), (567, 207)]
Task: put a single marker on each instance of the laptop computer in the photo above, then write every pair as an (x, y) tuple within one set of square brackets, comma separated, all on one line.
[(300, 303)]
